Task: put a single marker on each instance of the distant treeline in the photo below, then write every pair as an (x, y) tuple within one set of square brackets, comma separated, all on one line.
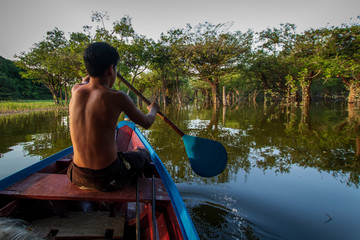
[(13, 87), (208, 63)]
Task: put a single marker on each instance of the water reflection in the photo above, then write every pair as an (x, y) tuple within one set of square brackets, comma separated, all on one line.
[(231, 224), (275, 139), (289, 167), (286, 166), (27, 138)]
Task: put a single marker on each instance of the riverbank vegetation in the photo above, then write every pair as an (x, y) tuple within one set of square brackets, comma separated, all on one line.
[(13, 87), (208, 63), (26, 105)]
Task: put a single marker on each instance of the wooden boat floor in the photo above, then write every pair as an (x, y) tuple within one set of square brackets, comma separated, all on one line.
[(58, 187), (81, 225)]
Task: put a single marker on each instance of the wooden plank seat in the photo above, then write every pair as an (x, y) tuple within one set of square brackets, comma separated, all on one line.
[(81, 225), (58, 187)]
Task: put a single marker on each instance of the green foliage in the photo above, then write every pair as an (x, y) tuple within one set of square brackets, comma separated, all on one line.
[(212, 52), (55, 62), (278, 40), (136, 57), (343, 49), (199, 59), (13, 87), (333, 88)]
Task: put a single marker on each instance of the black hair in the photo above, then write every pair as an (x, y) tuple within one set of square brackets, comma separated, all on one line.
[(98, 56)]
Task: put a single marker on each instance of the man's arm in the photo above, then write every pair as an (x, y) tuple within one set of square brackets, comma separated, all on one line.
[(144, 120)]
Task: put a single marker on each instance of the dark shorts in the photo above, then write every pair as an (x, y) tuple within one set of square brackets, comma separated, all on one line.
[(112, 177)]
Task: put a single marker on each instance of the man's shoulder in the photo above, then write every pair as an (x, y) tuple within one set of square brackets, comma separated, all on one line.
[(77, 87), (117, 96), (117, 93)]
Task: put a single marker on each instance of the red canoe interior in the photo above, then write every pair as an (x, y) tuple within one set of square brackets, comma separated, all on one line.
[(54, 207)]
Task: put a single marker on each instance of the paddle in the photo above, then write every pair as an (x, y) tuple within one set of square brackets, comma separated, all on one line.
[(207, 157)]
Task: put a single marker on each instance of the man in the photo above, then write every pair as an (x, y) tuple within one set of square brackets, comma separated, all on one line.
[(94, 111)]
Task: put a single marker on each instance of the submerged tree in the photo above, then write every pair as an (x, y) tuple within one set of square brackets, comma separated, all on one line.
[(343, 50), (161, 64), (135, 57), (212, 52), (307, 60)]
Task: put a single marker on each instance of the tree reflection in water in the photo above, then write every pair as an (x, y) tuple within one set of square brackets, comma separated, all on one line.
[(275, 139), (288, 145), (41, 133)]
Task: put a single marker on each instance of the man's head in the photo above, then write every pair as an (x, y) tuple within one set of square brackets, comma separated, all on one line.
[(98, 57)]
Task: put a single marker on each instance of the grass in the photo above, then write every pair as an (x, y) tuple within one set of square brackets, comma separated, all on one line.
[(26, 105)]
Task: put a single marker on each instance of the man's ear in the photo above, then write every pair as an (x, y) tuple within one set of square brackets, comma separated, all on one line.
[(111, 69)]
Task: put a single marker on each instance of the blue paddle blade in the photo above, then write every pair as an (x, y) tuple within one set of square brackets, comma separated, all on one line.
[(207, 158)]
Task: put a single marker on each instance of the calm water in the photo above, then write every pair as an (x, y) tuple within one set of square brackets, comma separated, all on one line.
[(291, 174)]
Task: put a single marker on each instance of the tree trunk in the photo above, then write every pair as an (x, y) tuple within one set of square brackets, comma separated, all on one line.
[(53, 93), (56, 100), (164, 95), (213, 124), (158, 97), (214, 88), (132, 83), (293, 98), (139, 101), (306, 98), (66, 95), (224, 115), (196, 97), (224, 96), (177, 90), (352, 94), (61, 97), (305, 116), (357, 154), (357, 133), (351, 112), (254, 97)]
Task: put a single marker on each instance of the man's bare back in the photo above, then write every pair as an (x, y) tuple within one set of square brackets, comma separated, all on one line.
[(94, 111)]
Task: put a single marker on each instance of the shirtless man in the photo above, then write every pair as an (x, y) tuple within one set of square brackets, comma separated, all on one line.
[(94, 111)]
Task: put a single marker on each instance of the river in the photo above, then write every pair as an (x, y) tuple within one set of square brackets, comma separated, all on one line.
[(291, 174)]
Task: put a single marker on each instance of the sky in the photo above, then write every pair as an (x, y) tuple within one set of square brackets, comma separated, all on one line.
[(25, 22)]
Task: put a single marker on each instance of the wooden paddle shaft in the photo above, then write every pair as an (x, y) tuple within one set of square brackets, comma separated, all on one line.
[(160, 114)]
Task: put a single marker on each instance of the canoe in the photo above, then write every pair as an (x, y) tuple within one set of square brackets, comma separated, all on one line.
[(147, 207)]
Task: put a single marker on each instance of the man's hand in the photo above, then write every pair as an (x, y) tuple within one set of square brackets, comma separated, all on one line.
[(86, 80), (153, 107)]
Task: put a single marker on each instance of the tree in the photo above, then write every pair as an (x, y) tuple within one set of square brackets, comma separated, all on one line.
[(343, 52), (150, 83), (161, 63), (270, 72), (278, 41), (269, 61), (54, 62), (70, 59), (212, 52), (175, 39), (307, 59), (37, 63), (135, 57)]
